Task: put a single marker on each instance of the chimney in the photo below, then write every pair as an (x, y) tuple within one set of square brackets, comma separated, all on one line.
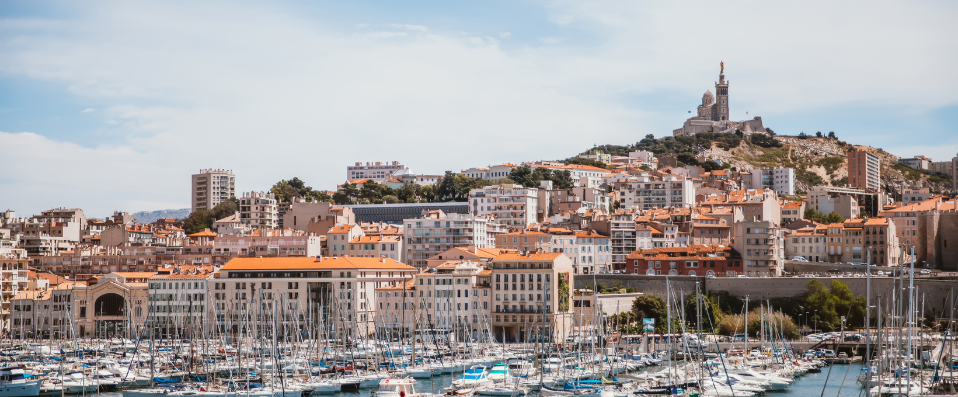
[(319, 258)]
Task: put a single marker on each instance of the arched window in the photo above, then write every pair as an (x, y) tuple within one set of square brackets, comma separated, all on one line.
[(109, 305)]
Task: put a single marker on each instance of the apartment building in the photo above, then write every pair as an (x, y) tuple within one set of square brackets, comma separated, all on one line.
[(259, 210), (377, 171), (490, 173), (709, 230), (267, 242), (512, 205), (869, 203), (864, 170), (211, 187), (906, 217), (376, 246), (759, 204), (694, 260), (14, 277), (652, 190), (793, 211), (582, 175), (525, 241), (340, 292), (178, 299), (761, 245), (807, 244), (437, 232), (779, 179), (532, 296), (457, 297), (881, 245), (835, 233)]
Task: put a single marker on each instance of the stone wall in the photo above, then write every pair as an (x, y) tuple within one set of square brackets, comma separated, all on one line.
[(934, 291)]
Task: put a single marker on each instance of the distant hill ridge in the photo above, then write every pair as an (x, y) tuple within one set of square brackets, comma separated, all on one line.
[(152, 216)]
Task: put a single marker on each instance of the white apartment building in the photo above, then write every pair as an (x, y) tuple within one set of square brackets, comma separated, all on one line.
[(178, 300), (513, 205), (339, 292), (582, 175), (622, 232), (211, 187), (377, 171), (491, 172), (781, 180), (648, 190), (259, 210), (436, 232)]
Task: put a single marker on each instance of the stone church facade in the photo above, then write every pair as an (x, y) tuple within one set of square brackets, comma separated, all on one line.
[(713, 114)]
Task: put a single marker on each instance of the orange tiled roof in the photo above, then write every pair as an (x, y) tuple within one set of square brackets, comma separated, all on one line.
[(532, 256), (306, 263)]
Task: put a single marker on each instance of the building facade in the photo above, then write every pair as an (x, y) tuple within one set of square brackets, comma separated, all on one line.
[(211, 187), (864, 170)]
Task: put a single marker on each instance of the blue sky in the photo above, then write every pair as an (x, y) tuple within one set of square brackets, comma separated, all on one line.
[(112, 105)]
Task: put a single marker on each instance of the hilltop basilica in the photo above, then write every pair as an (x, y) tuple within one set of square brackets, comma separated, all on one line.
[(713, 114)]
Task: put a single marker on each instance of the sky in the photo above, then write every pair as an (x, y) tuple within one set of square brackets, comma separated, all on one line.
[(113, 105)]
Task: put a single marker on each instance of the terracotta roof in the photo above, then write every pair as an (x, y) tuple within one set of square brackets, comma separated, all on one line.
[(135, 274), (204, 233), (305, 263), (532, 256)]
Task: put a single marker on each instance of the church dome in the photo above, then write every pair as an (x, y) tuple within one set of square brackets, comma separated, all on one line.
[(707, 98)]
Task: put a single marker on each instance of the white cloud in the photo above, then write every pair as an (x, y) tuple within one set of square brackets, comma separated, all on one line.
[(88, 110), (272, 95)]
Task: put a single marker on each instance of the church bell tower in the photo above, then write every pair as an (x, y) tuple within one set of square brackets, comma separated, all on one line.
[(720, 109)]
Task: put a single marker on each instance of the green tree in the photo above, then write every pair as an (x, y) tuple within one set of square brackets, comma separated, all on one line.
[(562, 179), (709, 309), (649, 306), (406, 193), (832, 217), (391, 199), (201, 219)]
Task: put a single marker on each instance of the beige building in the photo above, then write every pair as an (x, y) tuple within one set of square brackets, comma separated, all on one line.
[(211, 187), (532, 296), (259, 210), (316, 216), (339, 292), (808, 244), (762, 246), (268, 242), (864, 170)]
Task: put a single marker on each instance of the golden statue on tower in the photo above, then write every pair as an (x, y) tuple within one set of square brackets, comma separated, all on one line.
[(722, 65)]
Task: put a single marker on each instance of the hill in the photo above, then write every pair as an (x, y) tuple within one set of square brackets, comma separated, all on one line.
[(152, 216), (817, 160)]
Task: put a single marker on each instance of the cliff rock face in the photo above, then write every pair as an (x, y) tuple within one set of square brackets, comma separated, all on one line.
[(821, 157)]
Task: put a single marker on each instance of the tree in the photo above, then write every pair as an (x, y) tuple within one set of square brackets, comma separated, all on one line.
[(832, 217), (406, 193), (391, 199), (649, 306), (562, 179), (709, 309), (286, 190), (831, 135), (818, 134), (201, 219), (585, 161)]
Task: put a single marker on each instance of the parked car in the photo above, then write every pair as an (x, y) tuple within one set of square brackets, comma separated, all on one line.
[(925, 271), (799, 258)]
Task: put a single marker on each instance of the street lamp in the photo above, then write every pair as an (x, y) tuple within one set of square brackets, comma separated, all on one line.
[(816, 320)]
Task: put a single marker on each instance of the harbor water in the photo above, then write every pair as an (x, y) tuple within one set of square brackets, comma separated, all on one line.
[(841, 382)]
